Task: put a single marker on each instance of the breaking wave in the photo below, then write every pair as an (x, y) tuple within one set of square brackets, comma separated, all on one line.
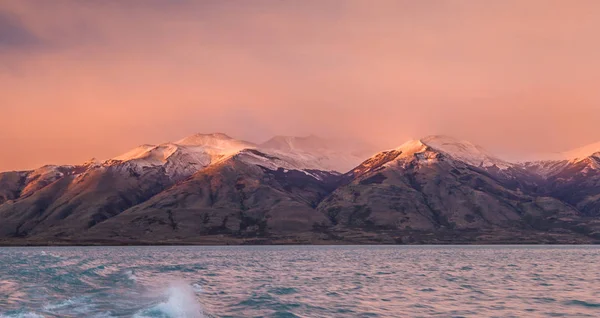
[(180, 301)]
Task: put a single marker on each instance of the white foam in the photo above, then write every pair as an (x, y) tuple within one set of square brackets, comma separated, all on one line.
[(180, 302), (130, 275), (197, 288), (65, 303), (23, 315), (80, 305)]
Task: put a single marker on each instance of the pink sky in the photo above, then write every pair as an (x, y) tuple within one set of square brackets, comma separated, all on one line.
[(82, 79)]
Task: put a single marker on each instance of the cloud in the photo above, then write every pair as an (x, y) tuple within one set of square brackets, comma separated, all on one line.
[(94, 78), (14, 35)]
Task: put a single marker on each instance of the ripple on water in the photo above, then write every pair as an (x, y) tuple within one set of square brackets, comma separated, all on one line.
[(583, 303), (320, 281), (283, 291)]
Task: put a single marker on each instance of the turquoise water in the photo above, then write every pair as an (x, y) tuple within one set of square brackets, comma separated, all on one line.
[(300, 281)]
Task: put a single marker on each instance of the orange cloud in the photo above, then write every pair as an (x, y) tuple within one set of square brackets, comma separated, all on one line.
[(104, 76)]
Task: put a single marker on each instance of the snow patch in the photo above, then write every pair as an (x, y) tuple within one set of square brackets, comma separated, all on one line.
[(274, 160), (547, 165), (465, 151), (184, 157), (410, 148), (312, 152)]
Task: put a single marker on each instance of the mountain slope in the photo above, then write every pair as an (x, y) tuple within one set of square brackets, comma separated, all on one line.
[(76, 202), (211, 188), (64, 201), (184, 157), (240, 196), (465, 151), (572, 176), (577, 182), (11, 185), (417, 187)]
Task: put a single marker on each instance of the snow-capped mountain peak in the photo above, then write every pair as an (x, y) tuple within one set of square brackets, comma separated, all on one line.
[(216, 140), (411, 147), (149, 152), (184, 157), (135, 153), (188, 155), (465, 151), (426, 150), (550, 164)]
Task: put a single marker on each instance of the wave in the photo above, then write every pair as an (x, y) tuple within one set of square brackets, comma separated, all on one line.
[(197, 288), (22, 315), (71, 302), (131, 275), (179, 301)]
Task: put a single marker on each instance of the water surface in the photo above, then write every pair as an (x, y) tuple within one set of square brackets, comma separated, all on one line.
[(300, 281)]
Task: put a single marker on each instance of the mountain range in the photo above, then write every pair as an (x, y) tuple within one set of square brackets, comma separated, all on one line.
[(214, 189)]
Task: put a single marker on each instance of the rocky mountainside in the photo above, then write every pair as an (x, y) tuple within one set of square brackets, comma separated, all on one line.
[(426, 187), (213, 189), (573, 177), (236, 197)]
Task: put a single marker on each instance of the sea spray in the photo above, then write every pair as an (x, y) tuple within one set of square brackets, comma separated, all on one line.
[(197, 288), (131, 275), (179, 302)]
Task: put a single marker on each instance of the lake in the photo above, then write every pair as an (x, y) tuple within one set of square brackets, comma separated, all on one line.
[(300, 281)]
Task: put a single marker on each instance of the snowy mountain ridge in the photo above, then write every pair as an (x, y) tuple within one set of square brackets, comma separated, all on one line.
[(546, 165), (186, 156), (191, 154), (466, 151), (426, 150), (214, 188)]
